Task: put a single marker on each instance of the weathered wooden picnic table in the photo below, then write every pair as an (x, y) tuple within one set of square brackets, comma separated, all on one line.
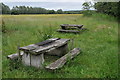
[(45, 46), (71, 28), (33, 55)]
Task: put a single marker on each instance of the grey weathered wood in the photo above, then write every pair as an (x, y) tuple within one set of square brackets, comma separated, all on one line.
[(67, 26), (55, 44), (68, 31), (33, 60), (26, 59), (58, 51), (37, 60), (47, 41), (33, 55), (60, 62), (34, 46), (71, 25), (14, 56), (36, 49), (29, 47)]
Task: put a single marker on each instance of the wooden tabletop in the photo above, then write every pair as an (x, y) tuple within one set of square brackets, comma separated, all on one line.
[(71, 25), (44, 46)]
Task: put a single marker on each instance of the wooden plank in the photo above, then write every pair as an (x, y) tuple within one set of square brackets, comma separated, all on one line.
[(60, 51), (71, 25), (34, 46), (14, 56), (47, 41), (49, 46), (60, 62), (68, 31), (29, 47)]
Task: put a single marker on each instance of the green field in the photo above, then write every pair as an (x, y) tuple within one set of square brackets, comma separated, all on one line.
[(99, 45)]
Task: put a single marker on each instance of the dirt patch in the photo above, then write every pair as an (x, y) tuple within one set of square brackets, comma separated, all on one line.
[(102, 27)]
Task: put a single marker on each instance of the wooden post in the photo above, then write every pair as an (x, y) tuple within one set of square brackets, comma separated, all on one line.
[(33, 60), (72, 44)]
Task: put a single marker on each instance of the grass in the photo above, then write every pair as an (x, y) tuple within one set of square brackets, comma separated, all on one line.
[(99, 45), (0, 48)]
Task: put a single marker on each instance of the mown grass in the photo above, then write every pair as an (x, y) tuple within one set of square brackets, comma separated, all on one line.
[(99, 45)]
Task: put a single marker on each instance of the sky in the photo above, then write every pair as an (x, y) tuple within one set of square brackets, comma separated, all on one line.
[(50, 4)]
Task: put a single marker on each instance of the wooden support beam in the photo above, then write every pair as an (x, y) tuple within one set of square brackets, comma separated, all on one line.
[(60, 62)]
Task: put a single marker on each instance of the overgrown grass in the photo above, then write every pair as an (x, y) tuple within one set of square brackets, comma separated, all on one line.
[(99, 45), (0, 48)]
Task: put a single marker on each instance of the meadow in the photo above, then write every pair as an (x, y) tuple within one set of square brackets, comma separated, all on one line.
[(99, 45)]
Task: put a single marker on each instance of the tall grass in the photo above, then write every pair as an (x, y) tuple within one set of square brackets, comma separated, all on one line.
[(0, 48), (99, 57), (104, 16)]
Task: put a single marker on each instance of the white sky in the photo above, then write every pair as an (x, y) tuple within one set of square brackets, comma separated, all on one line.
[(57, 0), (44, 0)]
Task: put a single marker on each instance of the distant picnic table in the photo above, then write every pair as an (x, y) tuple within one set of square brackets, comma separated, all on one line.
[(71, 28)]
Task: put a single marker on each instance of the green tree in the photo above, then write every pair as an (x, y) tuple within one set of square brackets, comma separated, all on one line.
[(86, 8), (51, 12), (59, 11), (110, 8), (87, 5), (14, 11), (5, 9)]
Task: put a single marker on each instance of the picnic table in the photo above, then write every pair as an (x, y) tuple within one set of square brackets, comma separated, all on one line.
[(33, 55), (71, 28)]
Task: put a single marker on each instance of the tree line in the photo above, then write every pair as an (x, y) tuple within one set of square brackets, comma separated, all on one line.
[(32, 10)]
